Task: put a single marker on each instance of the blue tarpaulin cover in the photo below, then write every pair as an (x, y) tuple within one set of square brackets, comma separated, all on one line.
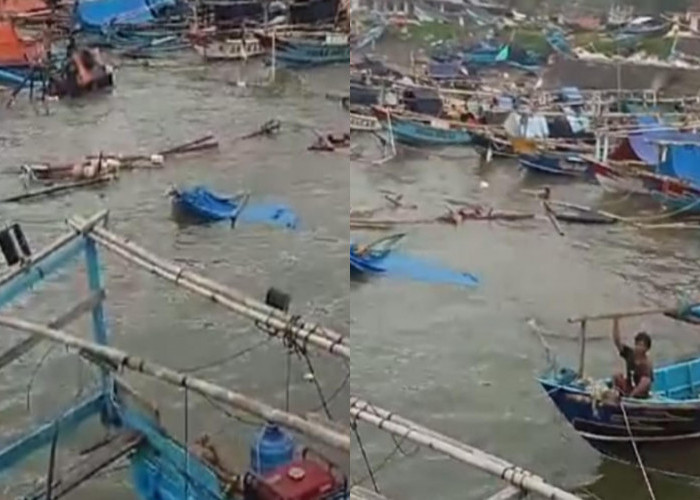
[(683, 162), (208, 206), (399, 265), (102, 12)]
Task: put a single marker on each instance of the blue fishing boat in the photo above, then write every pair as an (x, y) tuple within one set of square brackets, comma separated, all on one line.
[(554, 164), (558, 42), (662, 425), (208, 206), (382, 258), (368, 259), (305, 49), (162, 466), (203, 205), (433, 132)]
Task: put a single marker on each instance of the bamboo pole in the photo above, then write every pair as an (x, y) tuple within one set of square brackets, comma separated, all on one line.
[(23, 347), (57, 189), (59, 243), (118, 360), (582, 350), (200, 280), (495, 466), (301, 334), (624, 314)]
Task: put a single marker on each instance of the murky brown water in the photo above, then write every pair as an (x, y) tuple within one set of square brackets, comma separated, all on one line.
[(148, 110)]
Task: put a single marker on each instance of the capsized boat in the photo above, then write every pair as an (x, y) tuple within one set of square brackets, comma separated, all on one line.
[(381, 258), (204, 205)]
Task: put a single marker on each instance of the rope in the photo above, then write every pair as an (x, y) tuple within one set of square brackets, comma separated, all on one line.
[(364, 456), (289, 379), (227, 359), (324, 402), (636, 452)]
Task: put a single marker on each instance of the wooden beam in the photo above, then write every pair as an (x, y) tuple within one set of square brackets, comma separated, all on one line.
[(23, 347)]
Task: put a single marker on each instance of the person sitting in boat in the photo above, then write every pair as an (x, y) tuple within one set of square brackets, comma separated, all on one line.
[(636, 383)]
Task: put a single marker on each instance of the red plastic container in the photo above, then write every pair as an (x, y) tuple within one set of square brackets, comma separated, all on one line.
[(299, 480)]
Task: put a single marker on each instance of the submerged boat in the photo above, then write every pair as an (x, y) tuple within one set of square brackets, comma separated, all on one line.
[(382, 258), (208, 206), (203, 205), (368, 259)]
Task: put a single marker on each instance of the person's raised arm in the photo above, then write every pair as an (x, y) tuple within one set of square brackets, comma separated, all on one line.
[(616, 334)]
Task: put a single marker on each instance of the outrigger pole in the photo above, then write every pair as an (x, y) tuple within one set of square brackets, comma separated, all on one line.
[(116, 359), (401, 427), (301, 332)]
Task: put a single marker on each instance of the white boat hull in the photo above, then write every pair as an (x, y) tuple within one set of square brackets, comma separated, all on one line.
[(230, 50)]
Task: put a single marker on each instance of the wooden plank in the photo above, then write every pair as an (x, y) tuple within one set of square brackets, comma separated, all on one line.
[(509, 493), (78, 473), (360, 493), (20, 349)]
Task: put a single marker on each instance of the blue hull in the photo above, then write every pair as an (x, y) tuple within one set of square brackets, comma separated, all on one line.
[(418, 134), (201, 204), (554, 165), (684, 205), (665, 427)]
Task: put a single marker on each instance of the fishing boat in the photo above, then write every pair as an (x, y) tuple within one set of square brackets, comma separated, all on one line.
[(618, 180), (364, 123), (368, 259), (554, 164), (162, 466), (662, 430), (423, 130), (228, 48), (303, 49), (205, 205)]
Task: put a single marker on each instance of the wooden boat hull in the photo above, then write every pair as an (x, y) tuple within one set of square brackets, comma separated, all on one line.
[(661, 430), (614, 181), (229, 50), (416, 133), (303, 50)]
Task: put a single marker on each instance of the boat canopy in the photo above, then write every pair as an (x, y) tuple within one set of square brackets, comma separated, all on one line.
[(643, 144), (13, 50), (99, 13)]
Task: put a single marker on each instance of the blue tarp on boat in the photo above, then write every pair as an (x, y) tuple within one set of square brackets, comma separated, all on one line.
[(645, 143), (207, 206), (683, 162), (97, 13), (401, 266)]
